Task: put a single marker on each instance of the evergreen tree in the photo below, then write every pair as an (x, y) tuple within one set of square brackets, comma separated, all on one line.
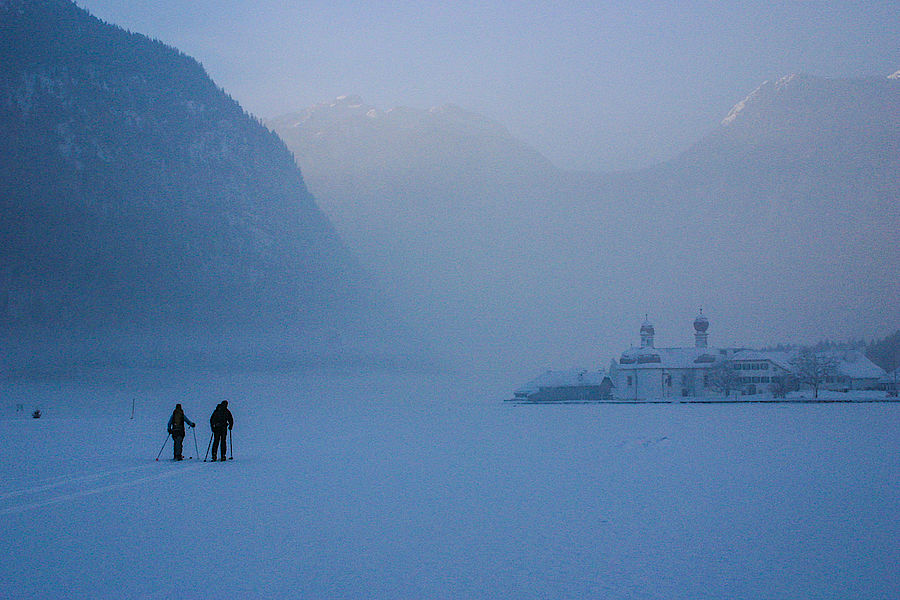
[(886, 352)]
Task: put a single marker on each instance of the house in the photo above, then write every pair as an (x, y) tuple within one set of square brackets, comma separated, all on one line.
[(648, 372), (854, 372), (758, 370), (567, 386)]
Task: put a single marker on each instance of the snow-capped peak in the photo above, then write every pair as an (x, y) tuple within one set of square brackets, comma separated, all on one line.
[(350, 101), (784, 81), (757, 95), (740, 106)]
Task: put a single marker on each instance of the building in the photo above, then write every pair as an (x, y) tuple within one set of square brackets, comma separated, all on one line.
[(701, 371), (649, 372), (854, 372), (566, 386), (758, 370)]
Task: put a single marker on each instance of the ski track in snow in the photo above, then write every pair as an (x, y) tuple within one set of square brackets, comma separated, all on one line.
[(65, 480), (644, 442), (63, 496)]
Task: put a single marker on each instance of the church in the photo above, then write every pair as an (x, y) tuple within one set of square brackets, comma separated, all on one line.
[(648, 372), (651, 373)]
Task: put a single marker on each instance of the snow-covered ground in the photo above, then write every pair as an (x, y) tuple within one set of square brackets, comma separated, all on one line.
[(389, 486)]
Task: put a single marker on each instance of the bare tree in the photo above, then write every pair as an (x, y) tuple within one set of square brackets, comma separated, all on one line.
[(813, 368), (782, 384), (723, 378)]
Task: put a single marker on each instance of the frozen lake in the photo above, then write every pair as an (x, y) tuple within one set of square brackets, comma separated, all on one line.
[(389, 486)]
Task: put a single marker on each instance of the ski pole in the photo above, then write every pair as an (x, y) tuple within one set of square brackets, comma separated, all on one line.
[(196, 450), (230, 445), (168, 435), (208, 446)]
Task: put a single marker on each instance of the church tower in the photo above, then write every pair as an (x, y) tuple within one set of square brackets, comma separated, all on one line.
[(701, 324), (647, 333)]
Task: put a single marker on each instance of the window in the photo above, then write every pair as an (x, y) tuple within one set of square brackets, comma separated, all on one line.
[(629, 380), (706, 381), (668, 381)]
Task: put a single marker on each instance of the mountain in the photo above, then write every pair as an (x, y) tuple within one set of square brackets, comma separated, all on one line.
[(781, 222), (434, 202), (374, 171), (805, 120), (368, 144), (140, 200), (785, 215), (797, 191)]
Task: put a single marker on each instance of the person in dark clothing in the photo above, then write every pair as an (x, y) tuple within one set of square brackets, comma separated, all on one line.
[(221, 423), (176, 428)]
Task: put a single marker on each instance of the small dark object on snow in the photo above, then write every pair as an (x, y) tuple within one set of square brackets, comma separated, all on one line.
[(37, 413)]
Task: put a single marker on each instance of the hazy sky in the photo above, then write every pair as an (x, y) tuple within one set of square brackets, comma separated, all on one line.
[(592, 85)]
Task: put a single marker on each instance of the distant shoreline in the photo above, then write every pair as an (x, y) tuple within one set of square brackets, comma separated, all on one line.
[(714, 401)]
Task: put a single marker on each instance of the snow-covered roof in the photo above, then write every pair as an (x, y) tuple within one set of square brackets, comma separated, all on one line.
[(850, 363), (780, 358), (669, 358), (856, 365), (570, 378)]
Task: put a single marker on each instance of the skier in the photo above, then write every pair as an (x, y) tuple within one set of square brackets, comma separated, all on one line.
[(176, 428), (221, 423)]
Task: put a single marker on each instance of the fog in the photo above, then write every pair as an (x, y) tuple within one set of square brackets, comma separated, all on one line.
[(587, 180), (506, 188), (595, 86), (513, 266)]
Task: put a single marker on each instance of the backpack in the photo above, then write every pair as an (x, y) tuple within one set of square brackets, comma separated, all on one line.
[(218, 419), (177, 422)]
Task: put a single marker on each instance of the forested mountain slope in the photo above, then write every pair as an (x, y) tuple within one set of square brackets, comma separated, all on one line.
[(136, 195)]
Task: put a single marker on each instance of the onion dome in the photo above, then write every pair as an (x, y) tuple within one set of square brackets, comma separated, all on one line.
[(701, 323), (647, 327)]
